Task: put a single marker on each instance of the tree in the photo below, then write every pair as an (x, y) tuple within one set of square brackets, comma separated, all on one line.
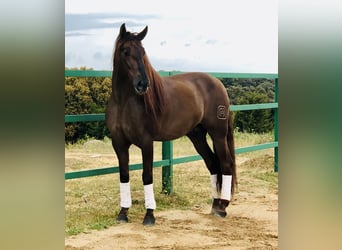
[(256, 121), (251, 91)]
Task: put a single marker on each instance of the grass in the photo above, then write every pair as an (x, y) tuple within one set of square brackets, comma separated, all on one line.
[(269, 177), (93, 203)]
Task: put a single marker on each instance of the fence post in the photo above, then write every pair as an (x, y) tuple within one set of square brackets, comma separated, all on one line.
[(167, 175), (276, 125)]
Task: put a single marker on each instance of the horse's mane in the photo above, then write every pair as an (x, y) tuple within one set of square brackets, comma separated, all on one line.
[(153, 99)]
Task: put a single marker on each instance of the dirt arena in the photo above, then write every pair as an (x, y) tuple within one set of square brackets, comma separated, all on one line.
[(251, 223)]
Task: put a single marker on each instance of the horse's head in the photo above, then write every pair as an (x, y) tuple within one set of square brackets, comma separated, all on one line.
[(129, 58)]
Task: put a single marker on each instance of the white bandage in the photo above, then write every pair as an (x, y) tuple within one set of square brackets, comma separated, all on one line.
[(150, 203), (215, 193), (226, 187), (125, 195)]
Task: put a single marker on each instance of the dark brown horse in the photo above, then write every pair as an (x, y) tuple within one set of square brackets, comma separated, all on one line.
[(145, 107)]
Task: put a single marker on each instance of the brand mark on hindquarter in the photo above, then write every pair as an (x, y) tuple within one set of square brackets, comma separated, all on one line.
[(221, 112)]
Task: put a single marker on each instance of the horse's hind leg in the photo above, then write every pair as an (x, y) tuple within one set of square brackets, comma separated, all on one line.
[(198, 138), (226, 164)]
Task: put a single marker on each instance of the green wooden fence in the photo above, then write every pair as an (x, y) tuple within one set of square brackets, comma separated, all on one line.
[(168, 161)]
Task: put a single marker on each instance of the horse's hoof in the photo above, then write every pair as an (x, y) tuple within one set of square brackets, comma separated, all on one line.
[(149, 219), (219, 208), (217, 213), (122, 217)]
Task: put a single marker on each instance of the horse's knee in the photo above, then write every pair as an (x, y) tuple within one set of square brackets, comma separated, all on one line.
[(147, 178), (124, 176)]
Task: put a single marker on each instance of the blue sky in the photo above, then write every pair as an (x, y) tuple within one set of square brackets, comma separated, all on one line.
[(216, 35)]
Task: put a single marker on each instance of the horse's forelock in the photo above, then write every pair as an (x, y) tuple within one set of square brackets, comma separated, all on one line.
[(120, 40)]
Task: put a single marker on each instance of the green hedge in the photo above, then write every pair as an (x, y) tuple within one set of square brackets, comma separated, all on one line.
[(87, 95)]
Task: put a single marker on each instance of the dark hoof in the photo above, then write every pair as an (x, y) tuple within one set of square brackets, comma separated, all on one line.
[(149, 219), (218, 213), (122, 217), (219, 208)]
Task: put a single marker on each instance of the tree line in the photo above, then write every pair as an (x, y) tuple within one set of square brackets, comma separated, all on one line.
[(88, 95), (251, 91)]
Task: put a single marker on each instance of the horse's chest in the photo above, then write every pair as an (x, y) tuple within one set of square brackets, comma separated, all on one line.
[(126, 122)]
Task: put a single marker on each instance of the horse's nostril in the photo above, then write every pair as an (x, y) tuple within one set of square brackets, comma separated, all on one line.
[(142, 85)]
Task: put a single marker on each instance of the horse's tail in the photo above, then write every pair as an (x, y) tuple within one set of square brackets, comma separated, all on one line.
[(231, 146)]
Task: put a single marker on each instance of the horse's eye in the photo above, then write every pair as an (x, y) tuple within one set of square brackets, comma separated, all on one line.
[(126, 51)]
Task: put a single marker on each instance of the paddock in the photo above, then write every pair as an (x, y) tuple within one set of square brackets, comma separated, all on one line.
[(183, 221)]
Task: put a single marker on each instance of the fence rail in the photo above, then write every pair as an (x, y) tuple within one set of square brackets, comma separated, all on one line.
[(101, 117), (168, 161)]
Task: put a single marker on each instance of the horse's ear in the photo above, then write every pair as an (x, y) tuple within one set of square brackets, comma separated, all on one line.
[(122, 30), (142, 34)]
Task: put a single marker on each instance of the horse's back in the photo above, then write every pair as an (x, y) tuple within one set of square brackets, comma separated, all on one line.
[(199, 83), (191, 99), (202, 88)]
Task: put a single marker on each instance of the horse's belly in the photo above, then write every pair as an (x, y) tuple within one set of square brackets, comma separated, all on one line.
[(177, 126), (171, 135)]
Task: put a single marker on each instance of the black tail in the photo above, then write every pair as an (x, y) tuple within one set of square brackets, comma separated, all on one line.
[(231, 146)]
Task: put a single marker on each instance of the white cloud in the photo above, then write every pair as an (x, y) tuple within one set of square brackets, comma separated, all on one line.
[(239, 36)]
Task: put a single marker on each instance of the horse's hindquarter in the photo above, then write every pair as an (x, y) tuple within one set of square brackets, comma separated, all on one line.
[(191, 98)]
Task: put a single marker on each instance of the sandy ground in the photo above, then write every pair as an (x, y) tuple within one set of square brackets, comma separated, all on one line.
[(251, 223)]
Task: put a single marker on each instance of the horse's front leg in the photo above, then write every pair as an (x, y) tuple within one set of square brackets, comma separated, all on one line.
[(147, 177), (121, 151)]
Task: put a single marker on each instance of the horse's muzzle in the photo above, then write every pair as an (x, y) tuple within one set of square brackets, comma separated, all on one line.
[(141, 87)]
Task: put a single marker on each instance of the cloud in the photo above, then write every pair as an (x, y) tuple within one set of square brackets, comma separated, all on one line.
[(175, 41), (98, 56), (88, 21), (76, 34), (211, 42)]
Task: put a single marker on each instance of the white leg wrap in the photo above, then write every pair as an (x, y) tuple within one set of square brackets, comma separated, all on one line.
[(215, 193), (125, 195), (226, 187), (150, 203)]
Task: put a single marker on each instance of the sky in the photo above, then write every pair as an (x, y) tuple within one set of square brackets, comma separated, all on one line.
[(213, 36)]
